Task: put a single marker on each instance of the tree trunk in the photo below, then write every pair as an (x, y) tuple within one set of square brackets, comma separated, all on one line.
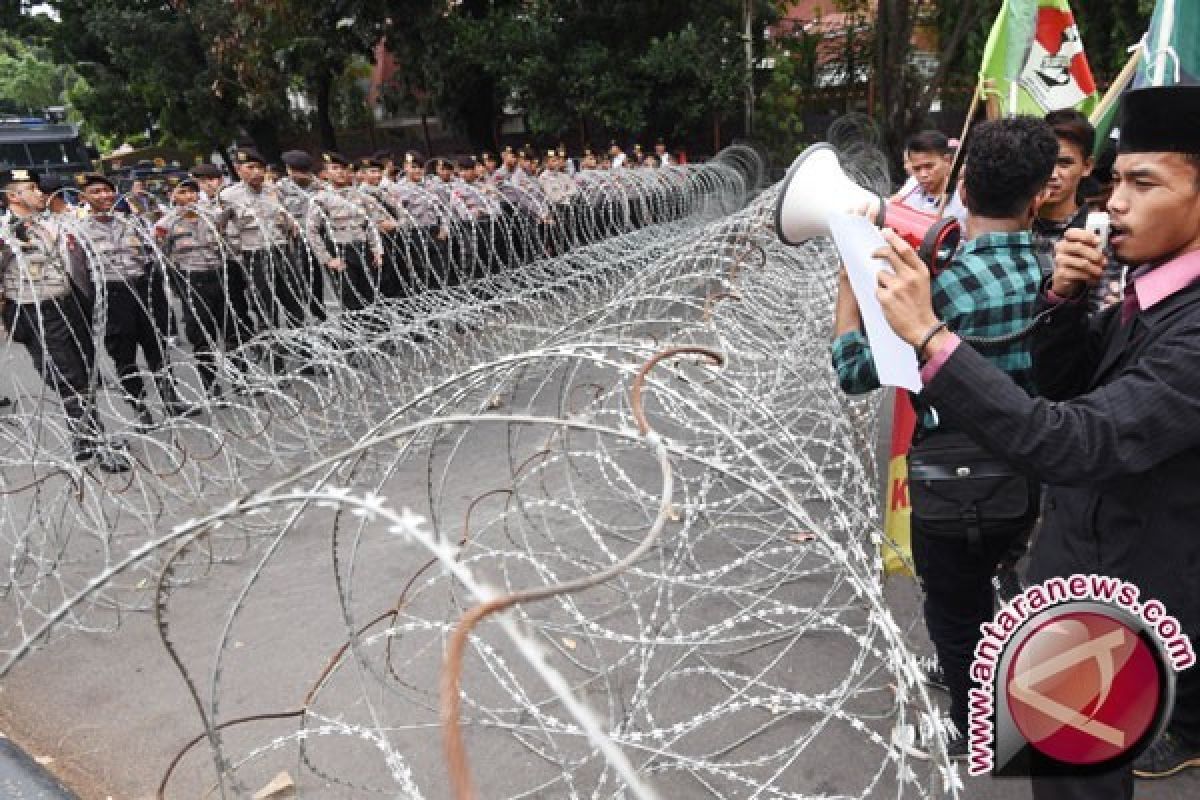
[(425, 133), (323, 83)]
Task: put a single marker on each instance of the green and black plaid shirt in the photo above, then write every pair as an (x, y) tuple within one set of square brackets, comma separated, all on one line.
[(988, 290)]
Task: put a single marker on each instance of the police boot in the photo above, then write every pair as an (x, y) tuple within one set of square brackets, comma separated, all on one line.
[(143, 420), (84, 440), (111, 460), (173, 406)]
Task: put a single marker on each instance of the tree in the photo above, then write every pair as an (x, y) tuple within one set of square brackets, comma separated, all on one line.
[(903, 99), (29, 80)]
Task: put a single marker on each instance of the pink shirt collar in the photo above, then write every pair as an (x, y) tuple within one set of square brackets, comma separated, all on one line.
[(1158, 283)]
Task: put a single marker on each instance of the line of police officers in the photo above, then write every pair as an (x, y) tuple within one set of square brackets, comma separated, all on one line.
[(254, 256)]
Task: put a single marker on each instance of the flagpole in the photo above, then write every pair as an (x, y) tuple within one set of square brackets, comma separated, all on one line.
[(962, 146), (1118, 86)]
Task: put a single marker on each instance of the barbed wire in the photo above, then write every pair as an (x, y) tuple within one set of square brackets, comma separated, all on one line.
[(593, 512)]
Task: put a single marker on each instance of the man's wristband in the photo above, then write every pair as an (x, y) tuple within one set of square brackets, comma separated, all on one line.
[(932, 332)]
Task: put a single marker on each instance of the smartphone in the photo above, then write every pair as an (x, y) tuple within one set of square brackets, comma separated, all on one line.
[(1097, 224)]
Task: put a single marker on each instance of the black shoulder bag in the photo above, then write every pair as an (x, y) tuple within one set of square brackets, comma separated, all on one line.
[(958, 488)]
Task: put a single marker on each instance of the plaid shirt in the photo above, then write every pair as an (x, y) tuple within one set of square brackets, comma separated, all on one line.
[(988, 290)]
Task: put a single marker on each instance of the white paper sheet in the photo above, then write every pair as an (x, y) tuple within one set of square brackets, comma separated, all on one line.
[(856, 239)]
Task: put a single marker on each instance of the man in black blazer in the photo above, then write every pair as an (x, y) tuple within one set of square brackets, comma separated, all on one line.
[(1116, 434)]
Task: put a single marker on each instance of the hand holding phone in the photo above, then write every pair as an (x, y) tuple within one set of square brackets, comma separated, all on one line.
[(1098, 225)]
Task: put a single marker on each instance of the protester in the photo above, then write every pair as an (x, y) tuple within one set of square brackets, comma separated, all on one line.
[(988, 290), (929, 158), (1116, 430), (1062, 207)]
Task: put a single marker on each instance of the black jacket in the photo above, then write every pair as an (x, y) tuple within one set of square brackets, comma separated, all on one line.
[(1116, 436)]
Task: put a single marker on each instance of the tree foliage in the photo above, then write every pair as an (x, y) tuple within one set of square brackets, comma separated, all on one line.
[(570, 67), (209, 71), (204, 71)]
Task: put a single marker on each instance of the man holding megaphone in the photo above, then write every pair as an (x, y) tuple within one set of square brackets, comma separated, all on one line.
[(960, 529), (1117, 434)]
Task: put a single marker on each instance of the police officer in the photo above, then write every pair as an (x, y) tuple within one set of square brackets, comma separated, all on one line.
[(119, 252), (190, 236), (660, 151), (297, 189), (210, 180), (342, 233), (371, 176), (425, 248), (265, 232), (45, 307)]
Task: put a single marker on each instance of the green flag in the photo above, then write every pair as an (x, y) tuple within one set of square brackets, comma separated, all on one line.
[(1035, 58), (1172, 45), (1170, 54)]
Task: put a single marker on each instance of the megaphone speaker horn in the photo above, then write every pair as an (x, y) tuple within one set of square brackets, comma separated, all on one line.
[(816, 186)]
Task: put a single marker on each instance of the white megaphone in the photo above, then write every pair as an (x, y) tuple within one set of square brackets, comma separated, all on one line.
[(817, 186)]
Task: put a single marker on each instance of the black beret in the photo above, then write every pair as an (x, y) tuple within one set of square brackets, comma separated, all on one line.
[(86, 179), (177, 180), (206, 171), (248, 155), (335, 158), (1160, 119), (18, 175), (369, 163), (413, 157), (51, 182), (298, 159), (467, 162)]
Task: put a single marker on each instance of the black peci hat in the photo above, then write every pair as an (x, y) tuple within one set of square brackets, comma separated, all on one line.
[(1160, 119)]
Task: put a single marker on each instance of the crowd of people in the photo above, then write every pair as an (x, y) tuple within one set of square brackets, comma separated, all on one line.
[(1067, 368), (81, 262)]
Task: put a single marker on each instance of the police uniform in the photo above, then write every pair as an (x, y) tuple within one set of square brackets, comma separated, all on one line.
[(296, 199), (191, 239), (385, 215), (264, 232), (340, 225), (423, 247), (119, 251), (48, 311)]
